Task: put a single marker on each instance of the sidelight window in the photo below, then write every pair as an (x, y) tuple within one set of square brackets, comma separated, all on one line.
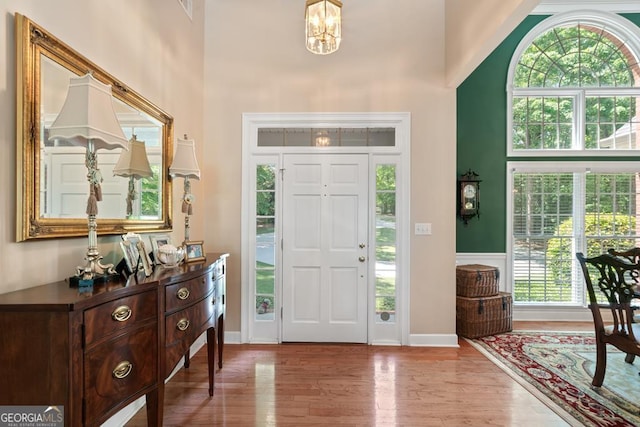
[(265, 248), (385, 267)]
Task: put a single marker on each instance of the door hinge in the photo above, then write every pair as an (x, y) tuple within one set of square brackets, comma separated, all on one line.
[(281, 308), (282, 174), (281, 244)]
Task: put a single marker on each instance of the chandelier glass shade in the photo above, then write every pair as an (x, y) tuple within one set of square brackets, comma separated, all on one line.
[(323, 21)]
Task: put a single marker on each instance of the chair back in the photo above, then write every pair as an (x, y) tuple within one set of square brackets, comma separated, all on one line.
[(615, 278), (632, 255)]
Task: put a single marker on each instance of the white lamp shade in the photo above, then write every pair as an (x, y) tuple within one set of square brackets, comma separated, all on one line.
[(185, 163), (88, 115), (133, 162)]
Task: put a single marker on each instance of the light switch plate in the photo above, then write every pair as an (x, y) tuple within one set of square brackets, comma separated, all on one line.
[(423, 228)]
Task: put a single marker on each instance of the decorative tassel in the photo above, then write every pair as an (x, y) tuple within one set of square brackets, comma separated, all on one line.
[(129, 205), (92, 203), (185, 206), (190, 210), (98, 192)]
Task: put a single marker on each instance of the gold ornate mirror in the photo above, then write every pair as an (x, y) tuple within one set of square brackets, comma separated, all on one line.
[(51, 176)]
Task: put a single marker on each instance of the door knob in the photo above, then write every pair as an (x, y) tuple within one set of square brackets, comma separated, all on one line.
[(361, 259)]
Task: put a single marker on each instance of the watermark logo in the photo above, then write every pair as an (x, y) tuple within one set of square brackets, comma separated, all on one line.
[(31, 416)]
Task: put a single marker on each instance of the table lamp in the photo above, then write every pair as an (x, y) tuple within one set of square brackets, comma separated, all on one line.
[(185, 165), (88, 119), (134, 164)]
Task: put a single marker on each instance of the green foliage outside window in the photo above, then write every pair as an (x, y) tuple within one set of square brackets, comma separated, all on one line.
[(570, 57), (603, 232), (150, 203), (266, 185), (386, 189)]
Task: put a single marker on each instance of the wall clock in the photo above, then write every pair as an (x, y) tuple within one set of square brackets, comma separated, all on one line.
[(468, 196)]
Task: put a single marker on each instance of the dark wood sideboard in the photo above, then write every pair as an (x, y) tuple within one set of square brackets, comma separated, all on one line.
[(95, 350)]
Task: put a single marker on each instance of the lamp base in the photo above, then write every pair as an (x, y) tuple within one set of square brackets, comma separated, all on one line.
[(79, 282), (93, 272)]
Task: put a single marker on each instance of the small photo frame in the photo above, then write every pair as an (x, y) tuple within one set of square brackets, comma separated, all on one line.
[(144, 258), (129, 245), (194, 251), (158, 240)]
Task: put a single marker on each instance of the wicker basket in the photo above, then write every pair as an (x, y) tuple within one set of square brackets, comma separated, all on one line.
[(476, 280), (479, 317)]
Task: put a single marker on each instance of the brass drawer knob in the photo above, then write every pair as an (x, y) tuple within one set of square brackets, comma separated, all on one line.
[(183, 293), (182, 324), (122, 369), (121, 314)]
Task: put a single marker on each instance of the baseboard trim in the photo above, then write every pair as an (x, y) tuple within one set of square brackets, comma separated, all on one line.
[(433, 340)]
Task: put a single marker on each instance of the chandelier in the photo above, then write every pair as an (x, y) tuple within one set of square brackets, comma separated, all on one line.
[(322, 139), (323, 26)]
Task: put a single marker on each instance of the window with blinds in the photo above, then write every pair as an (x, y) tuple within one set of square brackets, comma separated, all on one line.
[(556, 214)]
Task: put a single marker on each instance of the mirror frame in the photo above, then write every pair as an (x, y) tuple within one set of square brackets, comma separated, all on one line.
[(33, 42)]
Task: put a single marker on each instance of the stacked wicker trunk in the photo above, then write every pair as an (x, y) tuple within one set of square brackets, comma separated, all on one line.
[(481, 309)]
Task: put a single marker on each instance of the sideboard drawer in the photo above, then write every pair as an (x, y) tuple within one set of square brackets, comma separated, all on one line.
[(182, 329), (119, 314), (185, 293), (219, 269), (118, 369)]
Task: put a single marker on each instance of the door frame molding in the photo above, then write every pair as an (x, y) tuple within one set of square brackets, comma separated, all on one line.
[(400, 154)]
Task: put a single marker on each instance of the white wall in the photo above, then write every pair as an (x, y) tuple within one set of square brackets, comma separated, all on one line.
[(149, 45), (392, 59), (474, 28)]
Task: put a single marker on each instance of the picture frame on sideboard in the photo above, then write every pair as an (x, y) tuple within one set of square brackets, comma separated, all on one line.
[(158, 240), (194, 251)]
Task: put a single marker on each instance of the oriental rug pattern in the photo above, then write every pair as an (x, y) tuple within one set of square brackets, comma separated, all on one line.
[(558, 368)]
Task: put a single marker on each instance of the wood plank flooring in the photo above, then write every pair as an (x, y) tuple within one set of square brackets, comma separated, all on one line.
[(353, 385)]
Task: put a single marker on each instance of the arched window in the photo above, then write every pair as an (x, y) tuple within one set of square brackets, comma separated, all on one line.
[(574, 85), (574, 152)]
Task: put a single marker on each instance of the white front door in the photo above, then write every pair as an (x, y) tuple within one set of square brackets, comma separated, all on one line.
[(324, 248)]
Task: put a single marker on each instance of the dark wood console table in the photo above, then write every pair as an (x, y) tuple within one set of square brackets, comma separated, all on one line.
[(96, 350)]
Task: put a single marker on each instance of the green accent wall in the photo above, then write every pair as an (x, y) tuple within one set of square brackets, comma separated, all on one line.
[(482, 142)]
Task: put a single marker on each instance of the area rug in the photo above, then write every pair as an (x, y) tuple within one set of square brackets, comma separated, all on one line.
[(558, 369)]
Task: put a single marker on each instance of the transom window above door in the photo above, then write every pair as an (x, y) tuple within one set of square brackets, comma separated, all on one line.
[(326, 137)]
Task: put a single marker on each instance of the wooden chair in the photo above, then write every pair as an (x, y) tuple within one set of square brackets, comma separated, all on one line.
[(615, 277), (633, 256)]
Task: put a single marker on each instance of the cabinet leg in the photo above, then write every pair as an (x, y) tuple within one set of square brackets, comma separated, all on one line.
[(220, 340), (211, 356), (155, 406)]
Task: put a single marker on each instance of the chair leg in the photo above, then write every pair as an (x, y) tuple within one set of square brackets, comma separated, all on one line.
[(601, 364), (629, 358)]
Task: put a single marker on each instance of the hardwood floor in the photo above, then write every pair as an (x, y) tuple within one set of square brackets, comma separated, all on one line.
[(353, 385)]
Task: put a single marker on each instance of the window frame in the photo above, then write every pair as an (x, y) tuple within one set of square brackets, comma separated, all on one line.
[(576, 159), (396, 333), (558, 166), (616, 25)]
